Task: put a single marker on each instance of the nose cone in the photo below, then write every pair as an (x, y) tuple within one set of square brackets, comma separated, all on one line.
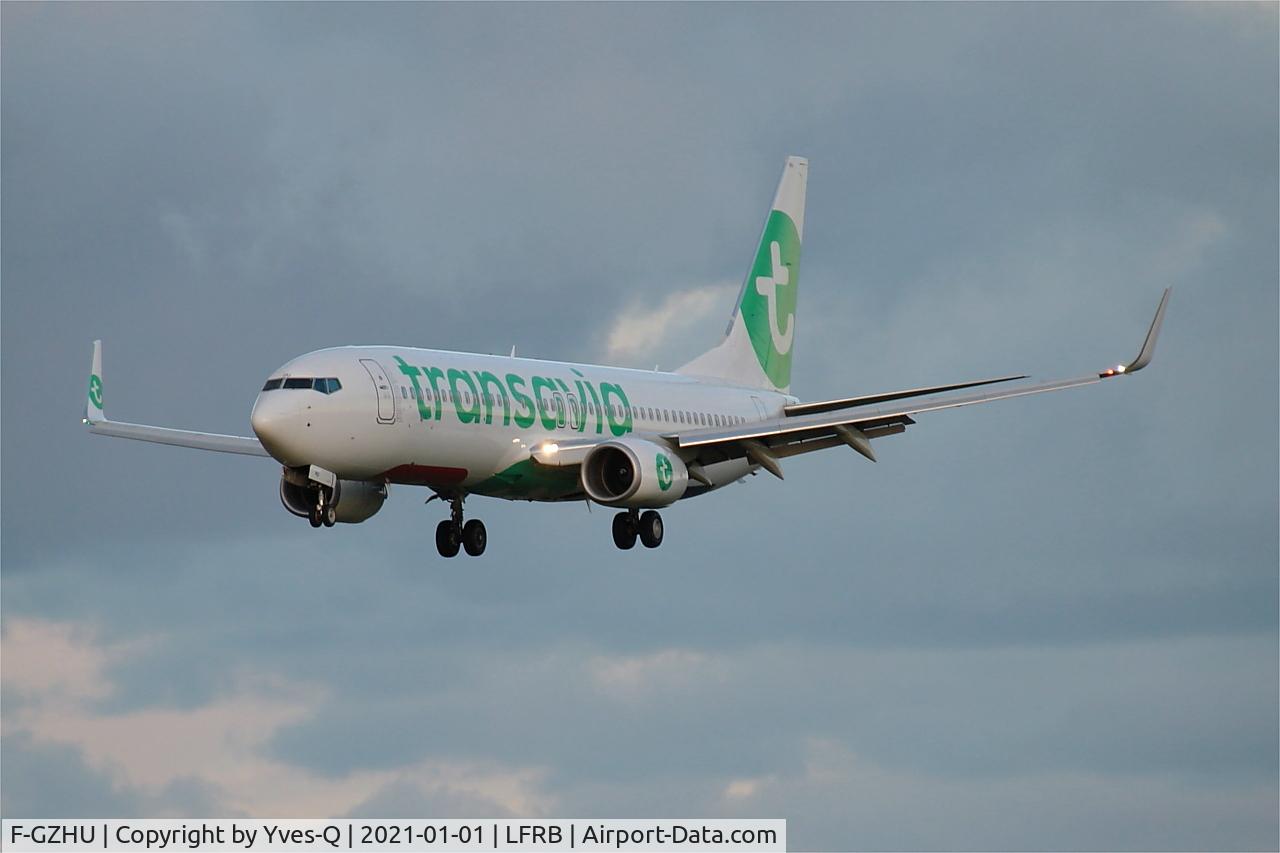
[(276, 421)]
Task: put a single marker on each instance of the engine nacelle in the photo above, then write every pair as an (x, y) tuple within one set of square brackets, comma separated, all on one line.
[(354, 500), (632, 472)]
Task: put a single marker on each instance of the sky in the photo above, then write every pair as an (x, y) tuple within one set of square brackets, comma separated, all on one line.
[(1047, 623)]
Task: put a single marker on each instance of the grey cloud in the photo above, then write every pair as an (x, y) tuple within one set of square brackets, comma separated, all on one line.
[(52, 781), (404, 799)]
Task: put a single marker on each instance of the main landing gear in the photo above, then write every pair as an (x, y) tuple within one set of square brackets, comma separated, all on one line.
[(451, 534), (632, 524)]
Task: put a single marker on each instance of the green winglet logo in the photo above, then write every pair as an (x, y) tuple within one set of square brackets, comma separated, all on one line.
[(663, 465), (95, 391), (769, 298)]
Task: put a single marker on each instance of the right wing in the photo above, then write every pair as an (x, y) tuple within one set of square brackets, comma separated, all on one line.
[(96, 419), (806, 427)]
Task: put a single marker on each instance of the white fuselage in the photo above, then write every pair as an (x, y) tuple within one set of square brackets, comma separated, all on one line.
[(465, 422)]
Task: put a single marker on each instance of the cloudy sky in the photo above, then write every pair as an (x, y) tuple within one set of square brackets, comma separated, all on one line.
[(1044, 623)]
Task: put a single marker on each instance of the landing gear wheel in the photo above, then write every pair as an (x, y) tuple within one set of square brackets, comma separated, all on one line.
[(474, 537), (330, 516), (651, 529), (314, 517), (624, 531), (447, 539)]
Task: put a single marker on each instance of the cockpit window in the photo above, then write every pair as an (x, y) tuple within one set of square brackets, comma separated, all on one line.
[(325, 385)]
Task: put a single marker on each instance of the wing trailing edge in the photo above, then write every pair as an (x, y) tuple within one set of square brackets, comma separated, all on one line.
[(815, 426)]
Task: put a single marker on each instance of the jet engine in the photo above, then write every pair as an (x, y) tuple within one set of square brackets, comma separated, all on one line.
[(354, 500), (632, 472)]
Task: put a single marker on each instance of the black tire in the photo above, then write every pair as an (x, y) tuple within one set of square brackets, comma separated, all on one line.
[(447, 538), (330, 516), (474, 537), (624, 531), (314, 517), (651, 529)]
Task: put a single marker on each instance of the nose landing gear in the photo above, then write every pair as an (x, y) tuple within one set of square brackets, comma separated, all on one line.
[(632, 524), (452, 533), (324, 512)]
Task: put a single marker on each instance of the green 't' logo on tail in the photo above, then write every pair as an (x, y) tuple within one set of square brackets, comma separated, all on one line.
[(769, 297), (95, 391)]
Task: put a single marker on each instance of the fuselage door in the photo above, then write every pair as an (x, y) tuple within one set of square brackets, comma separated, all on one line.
[(386, 399), (575, 414), (561, 410)]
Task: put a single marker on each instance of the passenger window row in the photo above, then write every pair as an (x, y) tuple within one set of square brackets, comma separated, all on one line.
[(554, 405), (325, 385)]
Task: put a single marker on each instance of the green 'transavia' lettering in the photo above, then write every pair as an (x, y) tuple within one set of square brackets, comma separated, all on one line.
[(553, 403)]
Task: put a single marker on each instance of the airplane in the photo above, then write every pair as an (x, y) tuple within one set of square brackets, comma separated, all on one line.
[(347, 422)]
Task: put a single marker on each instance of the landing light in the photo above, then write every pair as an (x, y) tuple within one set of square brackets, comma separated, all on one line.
[(1119, 368), (551, 447)]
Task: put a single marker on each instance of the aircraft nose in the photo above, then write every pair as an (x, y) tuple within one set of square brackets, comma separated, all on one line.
[(275, 422)]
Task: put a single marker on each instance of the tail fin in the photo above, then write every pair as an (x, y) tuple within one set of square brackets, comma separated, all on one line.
[(93, 402), (756, 350)]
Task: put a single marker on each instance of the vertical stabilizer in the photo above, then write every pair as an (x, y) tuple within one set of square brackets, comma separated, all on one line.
[(757, 347)]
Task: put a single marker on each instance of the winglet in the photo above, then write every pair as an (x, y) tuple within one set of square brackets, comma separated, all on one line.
[(93, 401), (1148, 346)]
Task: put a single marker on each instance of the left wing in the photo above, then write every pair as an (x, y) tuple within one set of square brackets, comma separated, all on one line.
[(96, 419), (807, 427)]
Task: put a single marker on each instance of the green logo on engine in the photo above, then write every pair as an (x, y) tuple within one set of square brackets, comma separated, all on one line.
[(95, 391), (663, 465)]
